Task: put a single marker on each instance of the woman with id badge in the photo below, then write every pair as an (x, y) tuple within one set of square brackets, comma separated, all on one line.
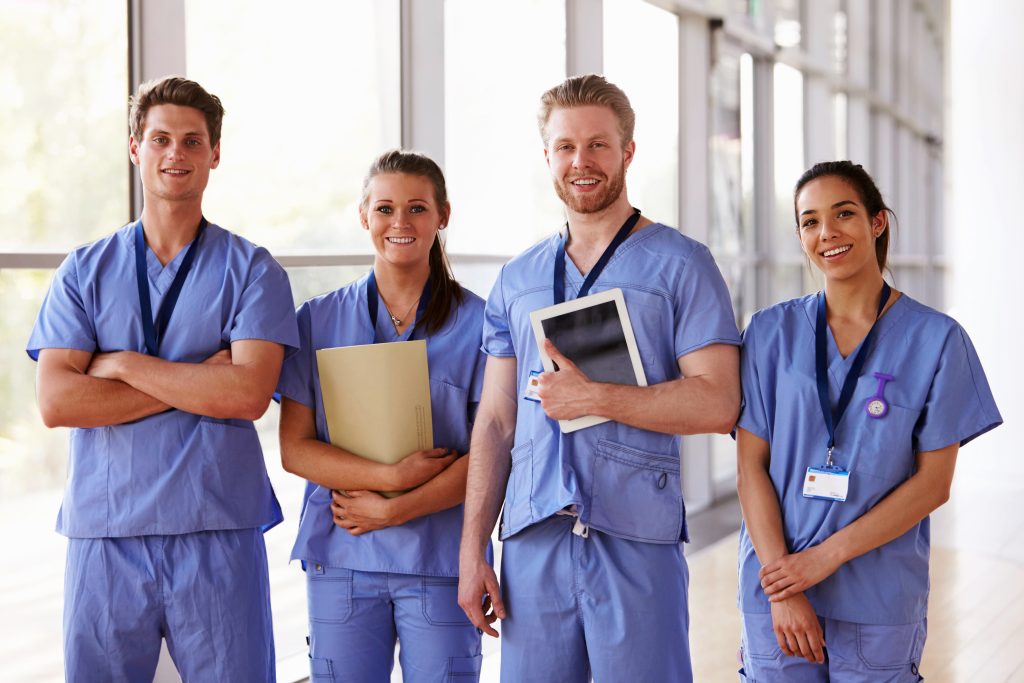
[(384, 569), (856, 401)]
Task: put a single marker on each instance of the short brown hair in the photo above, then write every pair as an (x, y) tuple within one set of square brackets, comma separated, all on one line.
[(588, 90), (179, 91)]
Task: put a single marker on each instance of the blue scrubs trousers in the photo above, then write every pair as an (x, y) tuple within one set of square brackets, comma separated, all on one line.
[(356, 616), (855, 653), (601, 607), (206, 593)]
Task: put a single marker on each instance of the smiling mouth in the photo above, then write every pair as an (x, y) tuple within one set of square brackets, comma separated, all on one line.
[(584, 182), (175, 171), (837, 251), (401, 240)]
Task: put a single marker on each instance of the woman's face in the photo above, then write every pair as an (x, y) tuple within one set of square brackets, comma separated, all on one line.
[(402, 217), (835, 230)]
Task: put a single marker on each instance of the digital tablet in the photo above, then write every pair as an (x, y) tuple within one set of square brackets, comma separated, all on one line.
[(593, 332)]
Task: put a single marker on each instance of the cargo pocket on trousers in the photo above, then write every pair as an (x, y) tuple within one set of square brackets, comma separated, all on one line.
[(464, 669), (884, 647), (441, 602), (329, 592), (321, 669)]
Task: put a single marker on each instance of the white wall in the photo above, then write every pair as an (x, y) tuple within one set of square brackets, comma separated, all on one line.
[(985, 225)]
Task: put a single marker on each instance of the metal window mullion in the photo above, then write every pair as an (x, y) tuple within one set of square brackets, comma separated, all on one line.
[(156, 47), (764, 177), (584, 37), (423, 77)]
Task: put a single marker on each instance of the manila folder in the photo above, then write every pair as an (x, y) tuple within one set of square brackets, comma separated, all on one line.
[(377, 399)]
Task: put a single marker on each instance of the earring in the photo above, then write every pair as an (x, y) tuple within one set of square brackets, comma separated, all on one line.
[(442, 226)]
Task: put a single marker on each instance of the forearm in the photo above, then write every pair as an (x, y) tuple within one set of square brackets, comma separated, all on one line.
[(761, 512), (70, 398), (334, 468), (490, 462), (444, 491), (682, 406), (892, 517), (220, 391)]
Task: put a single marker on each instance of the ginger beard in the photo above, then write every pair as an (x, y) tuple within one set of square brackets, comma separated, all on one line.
[(591, 202)]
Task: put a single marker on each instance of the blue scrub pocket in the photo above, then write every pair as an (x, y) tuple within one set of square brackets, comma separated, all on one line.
[(759, 641), (441, 602), (518, 511), (329, 593), (464, 669), (321, 669), (874, 448), (636, 494), (233, 463), (884, 647)]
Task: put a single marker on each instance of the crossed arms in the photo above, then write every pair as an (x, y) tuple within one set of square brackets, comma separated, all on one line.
[(81, 389)]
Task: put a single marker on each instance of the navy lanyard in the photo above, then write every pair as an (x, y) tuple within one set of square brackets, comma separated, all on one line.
[(371, 304), (832, 418), (591, 278), (153, 331)]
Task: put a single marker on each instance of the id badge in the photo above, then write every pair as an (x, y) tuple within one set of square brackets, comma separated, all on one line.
[(826, 483), (533, 387)]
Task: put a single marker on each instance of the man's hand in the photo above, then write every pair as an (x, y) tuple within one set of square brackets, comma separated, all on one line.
[(420, 467), (798, 630), (358, 512), (479, 594), (108, 365), (562, 393), (222, 357), (795, 573)]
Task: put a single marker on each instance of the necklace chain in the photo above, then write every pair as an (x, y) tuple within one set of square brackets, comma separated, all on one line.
[(395, 320)]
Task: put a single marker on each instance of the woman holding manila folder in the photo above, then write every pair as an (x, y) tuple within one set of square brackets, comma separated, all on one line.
[(385, 568)]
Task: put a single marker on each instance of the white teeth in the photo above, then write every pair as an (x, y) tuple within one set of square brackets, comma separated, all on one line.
[(837, 250), (401, 240), (175, 171), (584, 181)]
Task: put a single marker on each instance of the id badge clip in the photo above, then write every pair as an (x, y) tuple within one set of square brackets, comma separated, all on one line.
[(828, 482), (533, 387)]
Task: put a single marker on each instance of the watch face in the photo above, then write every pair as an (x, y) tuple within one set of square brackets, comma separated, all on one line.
[(876, 408)]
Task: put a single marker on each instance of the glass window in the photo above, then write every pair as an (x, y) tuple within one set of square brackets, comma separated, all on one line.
[(312, 96), (840, 55), (63, 103), (789, 164), (840, 105), (787, 23), (653, 177), (498, 182)]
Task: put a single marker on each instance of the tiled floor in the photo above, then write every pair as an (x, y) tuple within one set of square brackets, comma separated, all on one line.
[(976, 618)]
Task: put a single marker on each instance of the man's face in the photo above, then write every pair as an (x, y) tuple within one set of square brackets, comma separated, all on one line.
[(174, 154), (587, 159)]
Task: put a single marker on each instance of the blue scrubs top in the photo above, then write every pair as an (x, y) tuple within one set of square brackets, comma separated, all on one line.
[(426, 545), (623, 481), (939, 397), (174, 472)]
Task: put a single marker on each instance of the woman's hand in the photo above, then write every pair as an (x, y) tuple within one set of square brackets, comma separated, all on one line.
[(795, 573), (420, 467), (358, 512), (797, 629)]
